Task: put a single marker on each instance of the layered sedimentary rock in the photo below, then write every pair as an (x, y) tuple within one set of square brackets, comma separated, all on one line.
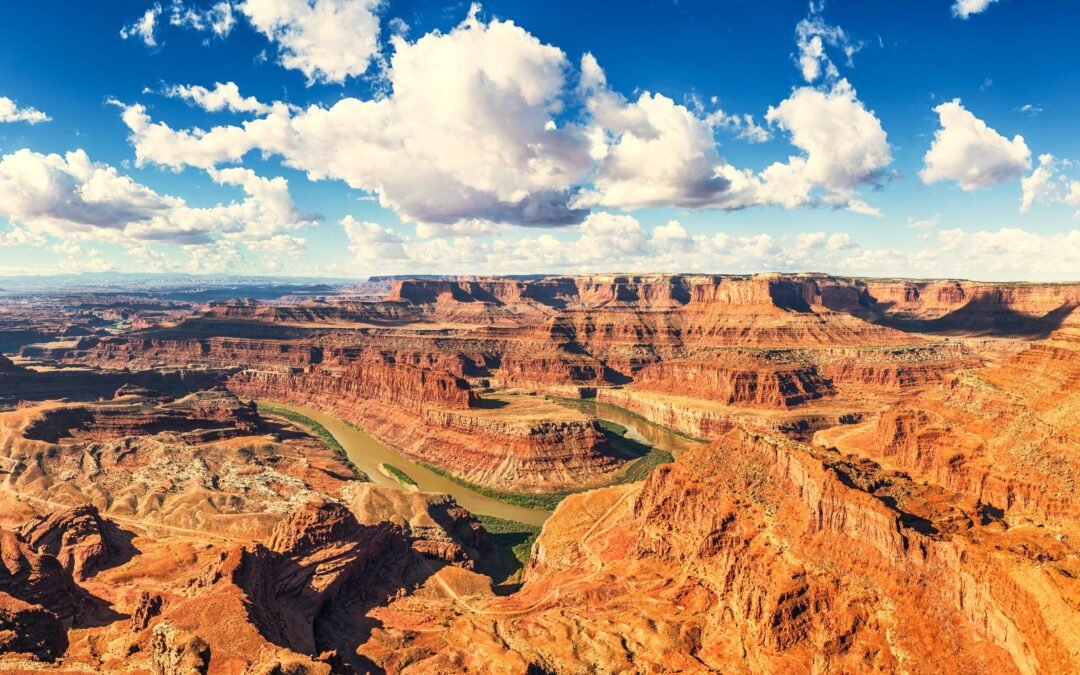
[(39, 601), (435, 524), (700, 353), (876, 498), (761, 554), (737, 381), (78, 537), (30, 630), (705, 419), (974, 307), (1006, 435), (431, 418), (295, 602), (205, 462), (19, 384), (202, 413), (38, 579), (305, 564), (179, 589)]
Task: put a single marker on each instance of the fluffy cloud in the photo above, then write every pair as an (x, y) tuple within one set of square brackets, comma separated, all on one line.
[(467, 132), (812, 36), (371, 242), (157, 143), (965, 8), (217, 19), (224, 96), (326, 40), (969, 152), (743, 126), (10, 112), (606, 242), (20, 236), (1041, 185), (478, 129), (1008, 253), (603, 242), (145, 27), (278, 244), (71, 196), (843, 144), (652, 152), (1049, 184)]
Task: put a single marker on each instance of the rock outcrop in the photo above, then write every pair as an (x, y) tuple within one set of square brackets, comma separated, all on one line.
[(30, 630), (969, 307), (176, 652), (737, 382), (38, 579), (513, 447), (434, 524), (78, 537), (759, 552), (205, 462), (1005, 435), (305, 564)]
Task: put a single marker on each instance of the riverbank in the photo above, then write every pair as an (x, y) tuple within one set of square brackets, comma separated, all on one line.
[(367, 453), (631, 435)]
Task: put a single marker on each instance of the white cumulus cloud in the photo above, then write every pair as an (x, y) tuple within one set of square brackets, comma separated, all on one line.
[(812, 36), (71, 196), (844, 147), (370, 242), (969, 152), (224, 96), (326, 40), (145, 27), (1048, 183), (466, 134), (217, 19), (965, 8), (652, 151), (485, 125), (11, 112)]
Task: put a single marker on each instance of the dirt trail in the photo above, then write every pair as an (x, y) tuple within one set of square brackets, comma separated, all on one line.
[(142, 524)]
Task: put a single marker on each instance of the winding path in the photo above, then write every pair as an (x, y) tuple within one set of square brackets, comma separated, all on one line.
[(138, 523)]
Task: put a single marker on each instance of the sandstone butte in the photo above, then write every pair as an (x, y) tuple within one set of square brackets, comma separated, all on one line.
[(886, 479)]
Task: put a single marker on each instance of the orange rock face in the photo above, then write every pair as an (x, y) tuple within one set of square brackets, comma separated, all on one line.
[(79, 538), (1007, 435), (889, 482), (750, 382), (761, 554), (434, 418)]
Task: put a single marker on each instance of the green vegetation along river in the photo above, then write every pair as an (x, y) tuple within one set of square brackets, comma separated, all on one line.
[(367, 454)]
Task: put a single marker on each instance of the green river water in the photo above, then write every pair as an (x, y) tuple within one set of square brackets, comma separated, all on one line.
[(367, 453)]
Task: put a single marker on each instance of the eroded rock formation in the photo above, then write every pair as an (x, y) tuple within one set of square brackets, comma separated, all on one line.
[(762, 554), (439, 422), (890, 484), (78, 537)]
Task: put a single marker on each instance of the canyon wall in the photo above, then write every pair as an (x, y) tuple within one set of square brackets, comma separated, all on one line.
[(439, 427), (1005, 434), (763, 554)]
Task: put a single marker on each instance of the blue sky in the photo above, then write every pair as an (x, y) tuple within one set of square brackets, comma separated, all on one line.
[(513, 137)]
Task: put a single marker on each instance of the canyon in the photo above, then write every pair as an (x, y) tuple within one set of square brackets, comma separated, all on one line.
[(823, 474)]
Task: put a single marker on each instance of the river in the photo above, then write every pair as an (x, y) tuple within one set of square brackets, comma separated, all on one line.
[(367, 453)]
